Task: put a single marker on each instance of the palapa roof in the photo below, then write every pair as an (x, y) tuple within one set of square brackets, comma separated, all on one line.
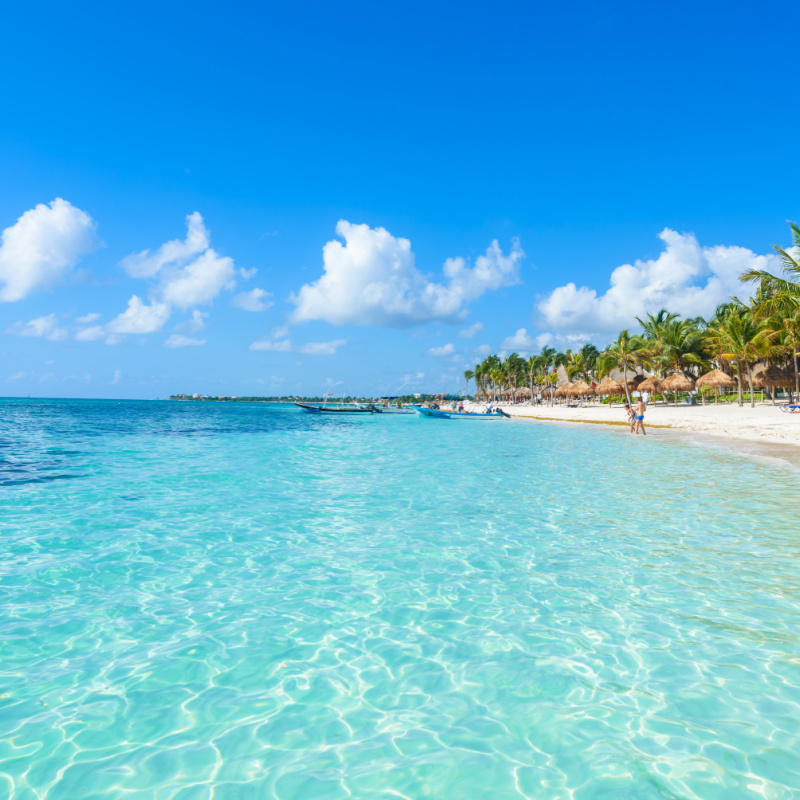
[(677, 382), (651, 384), (634, 381), (581, 389), (717, 379), (773, 376), (610, 386), (564, 390)]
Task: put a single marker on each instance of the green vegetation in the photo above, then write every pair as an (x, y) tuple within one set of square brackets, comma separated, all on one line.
[(739, 336)]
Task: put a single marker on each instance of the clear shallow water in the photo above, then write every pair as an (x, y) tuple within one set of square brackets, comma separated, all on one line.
[(237, 601)]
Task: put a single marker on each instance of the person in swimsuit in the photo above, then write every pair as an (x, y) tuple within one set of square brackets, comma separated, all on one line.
[(631, 416), (641, 407)]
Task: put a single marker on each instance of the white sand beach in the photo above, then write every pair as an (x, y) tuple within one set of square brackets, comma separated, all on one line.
[(764, 423)]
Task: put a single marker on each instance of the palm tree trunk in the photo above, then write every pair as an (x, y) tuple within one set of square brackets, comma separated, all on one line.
[(739, 381), (625, 379), (796, 373), (750, 381)]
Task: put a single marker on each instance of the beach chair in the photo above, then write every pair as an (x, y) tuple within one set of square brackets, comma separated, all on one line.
[(793, 408)]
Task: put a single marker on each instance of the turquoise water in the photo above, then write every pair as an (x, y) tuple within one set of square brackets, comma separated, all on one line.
[(243, 601)]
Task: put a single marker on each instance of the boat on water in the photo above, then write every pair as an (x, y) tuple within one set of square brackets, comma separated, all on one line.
[(435, 413), (323, 409)]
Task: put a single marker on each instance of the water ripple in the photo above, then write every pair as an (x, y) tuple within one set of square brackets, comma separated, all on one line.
[(247, 602)]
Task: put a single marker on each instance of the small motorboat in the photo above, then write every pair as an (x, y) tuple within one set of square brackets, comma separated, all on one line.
[(435, 413), (323, 409)]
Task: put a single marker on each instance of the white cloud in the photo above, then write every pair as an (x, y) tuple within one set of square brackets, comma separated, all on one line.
[(139, 317), (199, 282), (468, 333), (309, 348), (273, 345), (254, 300), (117, 376), (321, 348), (521, 340), (176, 340), (482, 350), (145, 265), (44, 327), (193, 325), (91, 334), (443, 351), (41, 247), (19, 376), (189, 272), (86, 319), (686, 278), (371, 279)]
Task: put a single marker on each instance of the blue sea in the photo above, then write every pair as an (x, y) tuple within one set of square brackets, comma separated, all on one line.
[(241, 601)]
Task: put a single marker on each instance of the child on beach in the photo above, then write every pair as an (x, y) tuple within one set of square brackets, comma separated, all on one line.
[(631, 416)]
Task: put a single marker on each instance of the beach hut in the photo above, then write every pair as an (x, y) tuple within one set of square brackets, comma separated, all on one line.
[(716, 380), (677, 382)]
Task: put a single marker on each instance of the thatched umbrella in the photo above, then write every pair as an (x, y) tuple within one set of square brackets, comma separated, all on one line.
[(677, 382), (634, 381), (610, 388), (775, 378), (581, 389), (524, 391), (716, 380), (564, 389), (651, 384)]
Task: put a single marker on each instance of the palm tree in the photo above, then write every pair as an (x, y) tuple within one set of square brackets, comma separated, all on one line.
[(783, 293), (498, 377), (551, 361), (654, 324), (589, 354), (483, 372), (468, 376), (626, 353), (739, 339), (574, 364), (514, 367), (681, 346), (534, 366)]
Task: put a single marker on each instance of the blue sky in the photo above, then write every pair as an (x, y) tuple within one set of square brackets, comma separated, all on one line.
[(346, 169)]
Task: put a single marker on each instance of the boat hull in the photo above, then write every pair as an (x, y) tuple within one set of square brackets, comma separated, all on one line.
[(309, 409), (432, 413)]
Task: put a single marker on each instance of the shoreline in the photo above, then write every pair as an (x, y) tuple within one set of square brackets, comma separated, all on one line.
[(763, 430)]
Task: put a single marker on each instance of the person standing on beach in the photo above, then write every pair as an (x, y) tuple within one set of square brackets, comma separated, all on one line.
[(641, 407)]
